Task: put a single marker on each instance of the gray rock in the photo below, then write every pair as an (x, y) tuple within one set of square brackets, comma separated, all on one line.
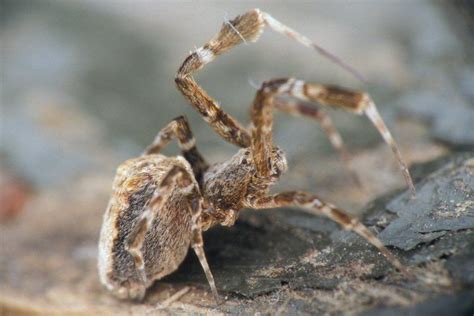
[(450, 117), (458, 304), (444, 202)]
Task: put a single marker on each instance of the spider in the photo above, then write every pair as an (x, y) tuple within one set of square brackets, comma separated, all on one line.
[(161, 205)]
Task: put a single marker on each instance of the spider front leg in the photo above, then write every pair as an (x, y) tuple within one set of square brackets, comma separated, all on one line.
[(314, 205), (245, 28), (352, 101), (179, 128)]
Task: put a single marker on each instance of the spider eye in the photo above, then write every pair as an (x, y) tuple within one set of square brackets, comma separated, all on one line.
[(244, 161)]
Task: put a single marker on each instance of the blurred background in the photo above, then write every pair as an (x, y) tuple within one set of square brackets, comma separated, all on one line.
[(87, 84)]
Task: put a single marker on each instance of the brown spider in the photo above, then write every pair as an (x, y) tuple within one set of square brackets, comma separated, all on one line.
[(161, 205)]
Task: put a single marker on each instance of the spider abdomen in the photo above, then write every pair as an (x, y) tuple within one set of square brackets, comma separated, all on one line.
[(165, 241)]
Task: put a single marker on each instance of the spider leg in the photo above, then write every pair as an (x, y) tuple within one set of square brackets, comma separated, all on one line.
[(312, 204), (297, 108), (179, 128), (281, 28), (135, 239), (196, 206), (244, 28), (199, 250), (197, 244), (352, 101), (177, 176)]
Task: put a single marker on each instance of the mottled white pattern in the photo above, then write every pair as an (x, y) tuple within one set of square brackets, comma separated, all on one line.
[(298, 90), (205, 55)]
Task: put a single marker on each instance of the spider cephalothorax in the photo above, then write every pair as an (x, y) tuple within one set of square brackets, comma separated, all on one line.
[(160, 205)]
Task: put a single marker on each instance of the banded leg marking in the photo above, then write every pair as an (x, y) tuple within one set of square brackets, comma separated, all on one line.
[(179, 128), (244, 28), (352, 101), (314, 205)]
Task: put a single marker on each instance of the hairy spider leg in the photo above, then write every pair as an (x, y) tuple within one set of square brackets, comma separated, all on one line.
[(179, 128), (244, 28), (198, 247), (196, 206), (352, 101), (136, 238), (312, 204), (298, 108), (177, 177)]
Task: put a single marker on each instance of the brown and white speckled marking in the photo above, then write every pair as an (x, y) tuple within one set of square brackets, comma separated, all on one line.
[(160, 205), (145, 206), (353, 101), (245, 28), (248, 27)]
